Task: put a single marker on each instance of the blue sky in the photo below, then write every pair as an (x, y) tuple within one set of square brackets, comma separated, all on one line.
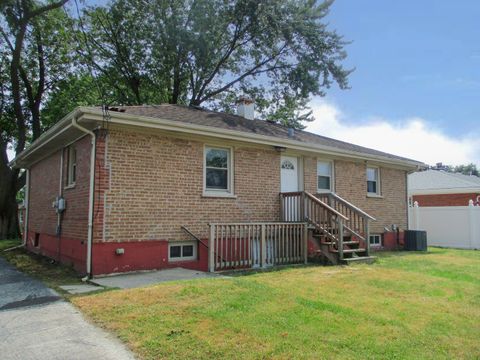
[(412, 58), (415, 90)]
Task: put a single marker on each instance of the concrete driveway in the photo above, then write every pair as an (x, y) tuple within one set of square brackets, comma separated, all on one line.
[(35, 323)]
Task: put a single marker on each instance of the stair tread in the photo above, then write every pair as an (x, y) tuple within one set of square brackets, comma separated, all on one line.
[(353, 242)]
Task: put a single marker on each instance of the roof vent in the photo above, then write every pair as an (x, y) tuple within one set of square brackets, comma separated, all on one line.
[(246, 107), (291, 132)]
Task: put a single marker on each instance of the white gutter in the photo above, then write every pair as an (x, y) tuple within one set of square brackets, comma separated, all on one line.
[(90, 196), (27, 207)]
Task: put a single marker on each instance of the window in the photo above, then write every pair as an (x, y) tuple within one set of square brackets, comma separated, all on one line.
[(373, 180), (287, 164), (324, 176), (218, 174), (72, 166), (182, 251), (375, 240)]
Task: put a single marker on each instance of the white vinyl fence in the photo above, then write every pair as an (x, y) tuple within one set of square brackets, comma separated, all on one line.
[(448, 226)]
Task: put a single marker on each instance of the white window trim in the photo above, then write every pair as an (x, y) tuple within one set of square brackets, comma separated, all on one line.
[(183, 243), (379, 242), (70, 182), (379, 182), (229, 192), (332, 176)]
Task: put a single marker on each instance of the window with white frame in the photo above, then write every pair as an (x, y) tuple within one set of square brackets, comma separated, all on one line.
[(375, 240), (179, 251), (324, 176), (373, 180), (72, 166), (218, 170)]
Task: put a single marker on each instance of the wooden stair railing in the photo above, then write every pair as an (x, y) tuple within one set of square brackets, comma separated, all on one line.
[(358, 222), (326, 220), (337, 222)]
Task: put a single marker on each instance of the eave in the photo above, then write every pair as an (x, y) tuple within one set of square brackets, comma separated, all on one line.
[(62, 132)]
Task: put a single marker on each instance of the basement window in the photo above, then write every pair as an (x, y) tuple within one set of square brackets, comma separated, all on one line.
[(72, 166), (181, 251), (375, 240)]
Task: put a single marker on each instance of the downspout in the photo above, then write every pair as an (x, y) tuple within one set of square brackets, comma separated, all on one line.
[(59, 214), (90, 197), (27, 207)]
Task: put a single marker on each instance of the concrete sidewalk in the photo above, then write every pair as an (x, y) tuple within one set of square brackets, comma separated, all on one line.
[(35, 323), (139, 279)]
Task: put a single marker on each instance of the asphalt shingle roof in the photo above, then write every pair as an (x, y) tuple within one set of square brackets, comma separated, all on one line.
[(439, 179), (200, 116)]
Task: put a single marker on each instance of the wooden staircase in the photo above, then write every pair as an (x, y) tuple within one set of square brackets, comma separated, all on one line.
[(353, 251), (339, 229)]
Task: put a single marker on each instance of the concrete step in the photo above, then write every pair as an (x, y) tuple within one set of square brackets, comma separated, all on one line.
[(346, 251), (359, 260)]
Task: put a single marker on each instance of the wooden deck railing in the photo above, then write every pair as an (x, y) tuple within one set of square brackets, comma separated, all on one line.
[(246, 245)]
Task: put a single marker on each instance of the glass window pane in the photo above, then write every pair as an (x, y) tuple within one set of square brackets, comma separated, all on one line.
[(217, 158), (372, 187), (216, 179), (324, 168), (324, 182), (175, 251), (187, 250), (372, 174), (287, 164)]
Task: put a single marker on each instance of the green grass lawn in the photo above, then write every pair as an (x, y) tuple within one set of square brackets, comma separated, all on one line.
[(405, 306)]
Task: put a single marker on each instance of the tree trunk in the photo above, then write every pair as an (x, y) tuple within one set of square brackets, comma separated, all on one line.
[(8, 204)]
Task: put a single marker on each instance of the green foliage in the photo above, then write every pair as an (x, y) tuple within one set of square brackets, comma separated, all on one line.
[(208, 52), (470, 169), (75, 90)]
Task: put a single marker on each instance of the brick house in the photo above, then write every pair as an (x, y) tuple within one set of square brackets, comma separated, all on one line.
[(150, 187), (442, 188)]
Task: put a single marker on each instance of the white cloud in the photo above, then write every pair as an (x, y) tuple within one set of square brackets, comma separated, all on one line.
[(414, 138)]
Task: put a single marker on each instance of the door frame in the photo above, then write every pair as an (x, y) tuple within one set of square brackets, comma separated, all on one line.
[(300, 171)]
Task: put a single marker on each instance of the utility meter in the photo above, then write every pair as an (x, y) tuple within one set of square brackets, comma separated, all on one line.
[(59, 204)]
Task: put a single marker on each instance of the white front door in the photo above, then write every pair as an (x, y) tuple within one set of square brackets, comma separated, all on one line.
[(289, 183), (288, 174)]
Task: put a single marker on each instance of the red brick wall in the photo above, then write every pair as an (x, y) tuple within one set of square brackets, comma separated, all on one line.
[(70, 246), (148, 185), (445, 199), (156, 183)]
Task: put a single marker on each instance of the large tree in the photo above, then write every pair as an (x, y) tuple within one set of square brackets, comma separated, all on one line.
[(32, 43), (206, 52), (194, 52)]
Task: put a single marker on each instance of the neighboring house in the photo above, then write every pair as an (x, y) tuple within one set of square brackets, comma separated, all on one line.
[(150, 187), (445, 205), (442, 188)]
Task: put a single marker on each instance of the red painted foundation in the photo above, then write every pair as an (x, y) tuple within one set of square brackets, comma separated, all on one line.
[(141, 255), (390, 241), (71, 252)]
